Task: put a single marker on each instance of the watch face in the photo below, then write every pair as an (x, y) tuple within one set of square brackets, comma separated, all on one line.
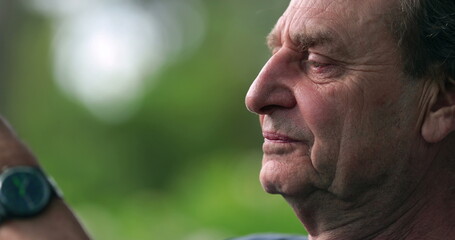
[(24, 191)]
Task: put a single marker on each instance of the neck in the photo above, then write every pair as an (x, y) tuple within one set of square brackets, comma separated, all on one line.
[(424, 211)]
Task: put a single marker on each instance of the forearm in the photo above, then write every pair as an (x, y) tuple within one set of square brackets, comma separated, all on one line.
[(57, 222), (54, 222)]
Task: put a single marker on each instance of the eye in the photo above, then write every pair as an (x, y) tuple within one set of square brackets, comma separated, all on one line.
[(319, 67)]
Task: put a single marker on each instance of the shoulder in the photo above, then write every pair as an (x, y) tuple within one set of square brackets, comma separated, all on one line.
[(270, 237)]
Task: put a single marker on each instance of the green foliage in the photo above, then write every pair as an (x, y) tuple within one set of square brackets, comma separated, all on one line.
[(184, 167)]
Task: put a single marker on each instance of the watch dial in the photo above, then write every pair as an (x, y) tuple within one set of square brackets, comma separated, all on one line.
[(24, 193)]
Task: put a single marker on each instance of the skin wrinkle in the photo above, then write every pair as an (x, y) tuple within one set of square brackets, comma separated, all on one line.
[(342, 143), (360, 92), (318, 38), (363, 94), (321, 169), (366, 154), (417, 206), (405, 214)]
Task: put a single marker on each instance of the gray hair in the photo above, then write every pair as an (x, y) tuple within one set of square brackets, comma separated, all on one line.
[(425, 31)]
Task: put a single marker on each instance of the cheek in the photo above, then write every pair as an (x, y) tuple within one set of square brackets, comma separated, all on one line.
[(319, 108), (322, 110)]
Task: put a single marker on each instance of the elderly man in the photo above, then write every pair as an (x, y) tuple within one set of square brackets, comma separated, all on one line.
[(357, 108)]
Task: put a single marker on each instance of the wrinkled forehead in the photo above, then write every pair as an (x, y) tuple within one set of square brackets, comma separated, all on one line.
[(375, 7), (355, 11), (345, 19)]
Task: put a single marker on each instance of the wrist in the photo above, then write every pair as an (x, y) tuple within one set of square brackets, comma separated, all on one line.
[(56, 222), (25, 191)]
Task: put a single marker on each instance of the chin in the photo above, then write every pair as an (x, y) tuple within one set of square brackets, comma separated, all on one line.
[(270, 186), (280, 181)]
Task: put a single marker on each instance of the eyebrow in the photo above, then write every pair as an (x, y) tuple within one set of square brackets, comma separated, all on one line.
[(301, 40)]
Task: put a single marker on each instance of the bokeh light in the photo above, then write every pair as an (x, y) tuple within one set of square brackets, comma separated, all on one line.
[(108, 52), (136, 108)]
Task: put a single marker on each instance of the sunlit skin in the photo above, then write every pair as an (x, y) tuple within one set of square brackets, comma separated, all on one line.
[(342, 124)]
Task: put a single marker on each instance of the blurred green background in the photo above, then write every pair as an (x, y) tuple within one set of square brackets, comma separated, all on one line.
[(136, 108)]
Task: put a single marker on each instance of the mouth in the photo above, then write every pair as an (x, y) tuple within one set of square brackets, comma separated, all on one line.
[(278, 138)]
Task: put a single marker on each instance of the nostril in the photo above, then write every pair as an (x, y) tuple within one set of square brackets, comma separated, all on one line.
[(269, 109)]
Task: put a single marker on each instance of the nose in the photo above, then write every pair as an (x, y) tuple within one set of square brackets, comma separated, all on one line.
[(272, 88)]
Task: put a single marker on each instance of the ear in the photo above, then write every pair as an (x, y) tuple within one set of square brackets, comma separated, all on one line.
[(440, 120)]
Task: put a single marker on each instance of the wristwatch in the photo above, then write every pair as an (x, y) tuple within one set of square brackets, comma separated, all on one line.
[(25, 191)]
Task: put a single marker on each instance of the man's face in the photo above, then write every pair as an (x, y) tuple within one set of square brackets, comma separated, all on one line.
[(336, 112)]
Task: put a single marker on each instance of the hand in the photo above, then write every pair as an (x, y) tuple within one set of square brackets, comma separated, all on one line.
[(57, 222)]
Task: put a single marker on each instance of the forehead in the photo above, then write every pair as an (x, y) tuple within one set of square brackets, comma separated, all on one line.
[(348, 21)]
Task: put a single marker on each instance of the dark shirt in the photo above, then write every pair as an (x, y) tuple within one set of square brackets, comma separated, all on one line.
[(270, 237)]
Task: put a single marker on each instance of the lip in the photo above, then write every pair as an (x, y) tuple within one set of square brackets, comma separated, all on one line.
[(278, 138)]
